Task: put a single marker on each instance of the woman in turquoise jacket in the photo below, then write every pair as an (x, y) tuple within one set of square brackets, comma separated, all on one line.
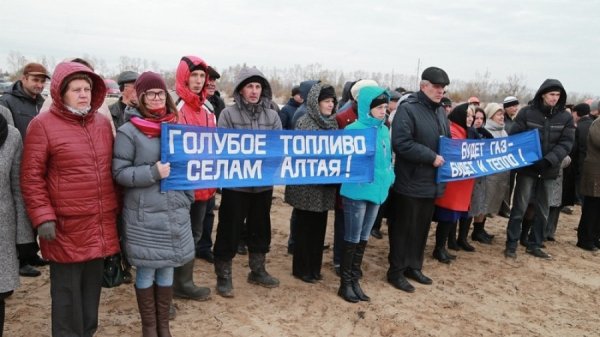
[(362, 200)]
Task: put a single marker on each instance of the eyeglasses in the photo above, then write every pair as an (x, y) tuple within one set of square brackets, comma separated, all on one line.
[(154, 94)]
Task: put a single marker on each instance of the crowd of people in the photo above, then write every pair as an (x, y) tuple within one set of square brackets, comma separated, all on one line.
[(83, 180)]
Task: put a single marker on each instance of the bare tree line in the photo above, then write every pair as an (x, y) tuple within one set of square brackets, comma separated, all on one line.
[(283, 79)]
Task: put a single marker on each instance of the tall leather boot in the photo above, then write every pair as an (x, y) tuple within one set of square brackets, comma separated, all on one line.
[(164, 296), (359, 253), (463, 232), (224, 278), (525, 227), (147, 308), (452, 243), (183, 284), (441, 235), (346, 290), (258, 274)]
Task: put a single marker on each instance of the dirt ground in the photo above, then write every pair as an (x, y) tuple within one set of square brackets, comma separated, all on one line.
[(480, 294)]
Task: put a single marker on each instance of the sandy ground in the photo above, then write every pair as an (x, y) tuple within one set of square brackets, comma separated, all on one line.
[(480, 294)]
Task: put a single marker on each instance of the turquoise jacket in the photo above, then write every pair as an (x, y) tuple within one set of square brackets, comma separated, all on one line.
[(383, 176)]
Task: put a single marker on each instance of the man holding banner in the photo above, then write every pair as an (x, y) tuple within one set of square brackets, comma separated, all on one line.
[(416, 129), (557, 132), (251, 110)]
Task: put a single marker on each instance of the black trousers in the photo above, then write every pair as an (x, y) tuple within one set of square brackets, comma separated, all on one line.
[(75, 290), (308, 245), (588, 232), (236, 206), (408, 233), (3, 296), (197, 215)]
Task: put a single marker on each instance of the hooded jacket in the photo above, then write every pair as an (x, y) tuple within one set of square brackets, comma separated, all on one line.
[(192, 110), (383, 176), (243, 115), (416, 129), (157, 225), (66, 175), (287, 113), (22, 106), (555, 126), (314, 198)]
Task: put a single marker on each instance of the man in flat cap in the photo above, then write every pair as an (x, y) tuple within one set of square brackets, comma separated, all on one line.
[(128, 97), (419, 122)]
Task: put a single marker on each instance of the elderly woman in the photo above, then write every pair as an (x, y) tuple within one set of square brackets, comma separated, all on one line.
[(70, 196), (15, 229), (312, 202), (158, 233)]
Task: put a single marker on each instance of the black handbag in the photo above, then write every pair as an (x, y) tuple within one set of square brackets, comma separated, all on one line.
[(113, 272)]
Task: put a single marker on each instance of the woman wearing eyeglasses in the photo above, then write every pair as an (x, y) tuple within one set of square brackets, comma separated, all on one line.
[(158, 235)]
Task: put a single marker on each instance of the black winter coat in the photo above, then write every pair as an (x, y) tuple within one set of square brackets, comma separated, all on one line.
[(22, 106)]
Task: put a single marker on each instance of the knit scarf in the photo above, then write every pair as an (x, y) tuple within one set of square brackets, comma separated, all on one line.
[(151, 126), (3, 130)]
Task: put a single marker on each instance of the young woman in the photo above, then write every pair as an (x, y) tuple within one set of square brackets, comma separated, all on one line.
[(15, 228), (158, 233), (312, 202), (362, 200), (70, 195), (454, 204)]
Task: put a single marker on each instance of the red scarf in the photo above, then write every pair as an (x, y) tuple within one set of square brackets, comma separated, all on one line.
[(151, 126)]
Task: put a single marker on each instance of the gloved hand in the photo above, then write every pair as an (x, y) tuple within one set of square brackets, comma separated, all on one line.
[(47, 230), (541, 165), (27, 251)]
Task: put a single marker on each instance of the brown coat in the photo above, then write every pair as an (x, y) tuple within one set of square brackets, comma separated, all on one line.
[(590, 176)]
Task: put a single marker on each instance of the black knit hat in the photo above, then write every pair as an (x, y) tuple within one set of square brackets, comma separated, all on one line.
[(379, 100), (551, 88), (327, 92), (251, 79), (296, 90), (446, 101), (582, 109)]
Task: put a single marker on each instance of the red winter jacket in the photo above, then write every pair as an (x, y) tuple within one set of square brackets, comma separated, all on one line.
[(66, 176), (457, 196), (191, 106), (347, 116)]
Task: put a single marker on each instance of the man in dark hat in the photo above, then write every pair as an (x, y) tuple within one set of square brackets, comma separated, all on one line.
[(511, 107), (128, 97), (419, 122), (25, 102), (547, 114), (287, 112), (214, 102)]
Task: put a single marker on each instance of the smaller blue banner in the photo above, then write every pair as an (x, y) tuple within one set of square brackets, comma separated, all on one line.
[(214, 157), (470, 158)]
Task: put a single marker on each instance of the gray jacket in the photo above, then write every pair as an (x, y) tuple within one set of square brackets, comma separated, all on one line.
[(157, 224), (22, 106), (243, 115), (314, 198), (15, 227), (416, 131)]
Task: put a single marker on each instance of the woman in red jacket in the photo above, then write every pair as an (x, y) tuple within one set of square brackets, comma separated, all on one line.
[(67, 186), (454, 204)]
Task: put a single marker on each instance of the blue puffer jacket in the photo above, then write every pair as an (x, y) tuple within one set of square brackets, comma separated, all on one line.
[(383, 177)]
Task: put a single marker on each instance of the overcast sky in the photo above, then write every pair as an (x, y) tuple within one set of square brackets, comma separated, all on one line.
[(535, 39)]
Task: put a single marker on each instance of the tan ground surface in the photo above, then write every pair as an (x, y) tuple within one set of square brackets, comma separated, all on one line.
[(481, 294)]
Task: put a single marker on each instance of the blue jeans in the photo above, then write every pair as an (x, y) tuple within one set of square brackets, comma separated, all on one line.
[(359, 217), (145, 277), (525, 187)]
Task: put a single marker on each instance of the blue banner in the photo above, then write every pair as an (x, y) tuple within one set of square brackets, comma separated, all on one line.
[(470, 158), (214, 157)]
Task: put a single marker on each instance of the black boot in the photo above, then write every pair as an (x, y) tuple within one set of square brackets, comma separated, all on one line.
[(356, 263), (463, 232), (488, 235), (346, 291), (479, 235), (258, 274), (452, 243), (224, 281), (525, 226), (441, 235), (183, 284)]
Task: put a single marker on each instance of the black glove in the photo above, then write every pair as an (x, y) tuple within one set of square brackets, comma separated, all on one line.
[(27, 251), (541, 165)]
